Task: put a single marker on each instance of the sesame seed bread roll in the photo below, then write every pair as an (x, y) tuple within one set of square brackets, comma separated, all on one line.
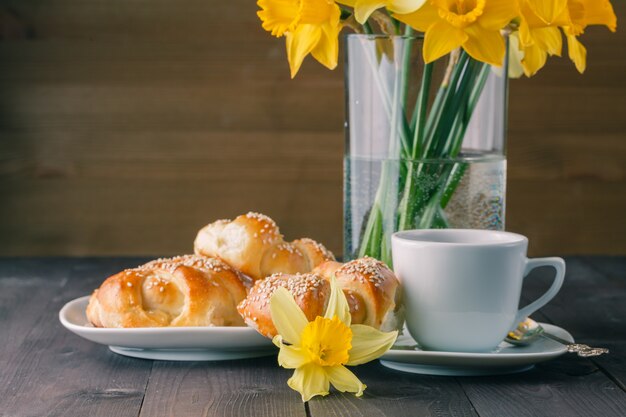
[(252, 243), (326, 270), (372, 291), (311, 292), (186, 290)]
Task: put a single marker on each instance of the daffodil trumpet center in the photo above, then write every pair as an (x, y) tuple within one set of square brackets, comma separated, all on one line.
[(315, 12), (282, 16), (327, 342), (461, 13)]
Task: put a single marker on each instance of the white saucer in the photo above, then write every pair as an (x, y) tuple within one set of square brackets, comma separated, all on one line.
[(190, 354), (406, 356), (169, 343)]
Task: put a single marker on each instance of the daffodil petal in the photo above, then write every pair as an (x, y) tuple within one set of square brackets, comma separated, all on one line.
[(405, 6), (577, 53), (291, 357), (548, 10), (600, 12), (524, 33), (278, 18), (337, 304), (309, 380), (364, 8), (528, 16), (369, 344), (300, 43), (344, 380), (327, 49), (441, 39), (485, 45), (421, 19), (534, 59), (277, 340), (350, 3), (288, 318), (576, 16), (549, 39), (497, 14)]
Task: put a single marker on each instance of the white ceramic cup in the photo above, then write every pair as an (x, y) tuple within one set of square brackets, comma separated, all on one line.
[(462, 287)]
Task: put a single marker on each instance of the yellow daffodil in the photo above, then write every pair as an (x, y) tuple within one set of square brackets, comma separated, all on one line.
[(319, 350), (364, 8), (538, 35), (473, 25), (583, 13), (309, 26)]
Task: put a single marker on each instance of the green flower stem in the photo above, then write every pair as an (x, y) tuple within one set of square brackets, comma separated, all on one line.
[(408, 200), (367, 28), (421, 106), (413, 199), (454, 102), (478, 87), (441, 103), (374, 233), (452, 178), (374, 241), (406, 72), (434, 134), (459, 168), (459, 108), (455, 177)]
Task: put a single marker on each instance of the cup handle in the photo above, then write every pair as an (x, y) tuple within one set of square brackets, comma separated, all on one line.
[(559, 265)]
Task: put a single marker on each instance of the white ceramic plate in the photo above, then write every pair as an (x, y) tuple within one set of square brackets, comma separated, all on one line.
[(406, 356), (168, 343)]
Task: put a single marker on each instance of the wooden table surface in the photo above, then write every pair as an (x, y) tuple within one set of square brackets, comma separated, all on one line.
[(47, 371)]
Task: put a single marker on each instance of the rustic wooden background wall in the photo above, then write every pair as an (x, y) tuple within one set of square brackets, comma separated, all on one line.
[(125, 125)]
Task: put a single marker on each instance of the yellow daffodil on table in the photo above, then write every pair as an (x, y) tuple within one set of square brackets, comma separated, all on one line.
[(474, 25), (309, 26), (320, 350), (364, 8)]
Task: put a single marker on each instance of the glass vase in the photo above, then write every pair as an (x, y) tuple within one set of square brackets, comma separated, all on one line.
[(425, 143)]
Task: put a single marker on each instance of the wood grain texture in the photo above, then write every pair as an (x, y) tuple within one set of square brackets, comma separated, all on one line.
[(48, 371), (547, 391), (391, 393), (229, 388), (125, 126), (614, 364), (612, 267), (579, 307), (52, 371)]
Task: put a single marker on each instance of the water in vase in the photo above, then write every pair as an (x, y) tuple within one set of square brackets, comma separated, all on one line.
[(466, 192)]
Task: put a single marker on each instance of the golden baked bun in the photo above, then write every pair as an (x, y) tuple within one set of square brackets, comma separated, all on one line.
[(186, 290), (311, 292), (252, 243), (371, 289)]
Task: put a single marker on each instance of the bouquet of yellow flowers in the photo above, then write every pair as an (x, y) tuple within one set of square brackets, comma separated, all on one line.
[(474, 35), (476, 26)]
